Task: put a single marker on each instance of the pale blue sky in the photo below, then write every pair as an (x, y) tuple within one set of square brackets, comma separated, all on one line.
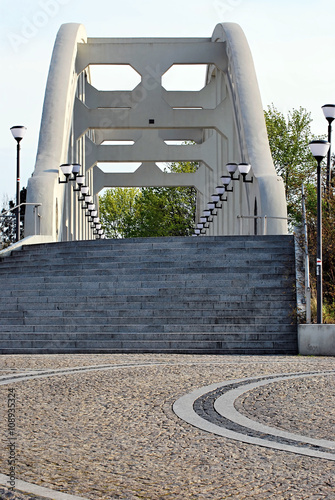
[(291, 42)]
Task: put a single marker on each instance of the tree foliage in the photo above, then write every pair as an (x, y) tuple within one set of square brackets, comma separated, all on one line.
[(328, 254), (8, 223), (288, 139), (115, 205), (149, 212)]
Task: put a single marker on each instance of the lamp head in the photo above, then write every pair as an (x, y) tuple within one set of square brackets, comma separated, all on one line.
[(18, 132), (76, 169), (66, 168), (225, 180), (231, 167), (80, 179), (220, 190), (329, 112), (319, 149), (244, 168)]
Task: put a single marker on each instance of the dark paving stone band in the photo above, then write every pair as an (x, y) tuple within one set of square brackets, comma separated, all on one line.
[(202, 410)]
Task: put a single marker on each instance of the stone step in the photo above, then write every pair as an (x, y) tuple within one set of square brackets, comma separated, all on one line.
[(145, 274), (160, 297), (258, 350), (167, 254), (8, 307), (145, 345), (174, 336), (170, 243), (137, 270), (186, 294), (189, 262), (52, 318), (143, 288), (232, 327)]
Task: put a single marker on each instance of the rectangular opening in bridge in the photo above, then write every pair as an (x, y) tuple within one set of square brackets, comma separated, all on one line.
[(179, 143), (185, 77), (114, 77), (175, 137), (119, 167), (118, 143), (184, 107), (178, 166)]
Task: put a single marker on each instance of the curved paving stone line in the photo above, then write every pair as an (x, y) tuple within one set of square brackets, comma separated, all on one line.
[(29, 375), (33, 374), (212, 409), (43, 373), (34, 489), (205, 406), (224, 405)]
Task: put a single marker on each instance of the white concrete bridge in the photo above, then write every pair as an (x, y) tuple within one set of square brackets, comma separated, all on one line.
[(224, 120)]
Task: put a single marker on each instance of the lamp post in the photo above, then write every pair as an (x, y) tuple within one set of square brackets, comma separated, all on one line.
[(18, 134), (329, 112), (319, 150)]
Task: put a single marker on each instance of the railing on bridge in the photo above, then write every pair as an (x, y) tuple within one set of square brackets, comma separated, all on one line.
[(263, 218), (37, 216)]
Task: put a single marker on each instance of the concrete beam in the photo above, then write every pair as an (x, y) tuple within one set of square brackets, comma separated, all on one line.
[(138, 118), (148, 175), (148, 56), (158, 151)]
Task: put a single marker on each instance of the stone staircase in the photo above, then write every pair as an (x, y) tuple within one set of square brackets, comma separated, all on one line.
[(213, 295)]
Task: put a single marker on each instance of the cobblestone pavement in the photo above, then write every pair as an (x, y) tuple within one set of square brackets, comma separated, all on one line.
[(112, 433)]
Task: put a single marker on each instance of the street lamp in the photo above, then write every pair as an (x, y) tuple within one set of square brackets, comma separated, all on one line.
[(225, 179), (232, 168), (18, 132), (66, 168), (80, 179), (329, 112), (244, 169), (319, 149)]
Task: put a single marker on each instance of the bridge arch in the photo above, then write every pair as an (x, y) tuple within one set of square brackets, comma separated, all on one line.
[(224, 120)]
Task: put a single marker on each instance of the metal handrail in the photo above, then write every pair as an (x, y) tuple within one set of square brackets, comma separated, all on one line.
[(35, 205), (264, 217), (21, 204)]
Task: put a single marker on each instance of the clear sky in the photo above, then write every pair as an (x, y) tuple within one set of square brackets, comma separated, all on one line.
[(292, 43)]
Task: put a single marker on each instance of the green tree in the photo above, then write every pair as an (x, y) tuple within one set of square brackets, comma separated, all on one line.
[(115, 205), (328, 255), (288, 139), (8, 223), (164, 211), (149, 212)]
